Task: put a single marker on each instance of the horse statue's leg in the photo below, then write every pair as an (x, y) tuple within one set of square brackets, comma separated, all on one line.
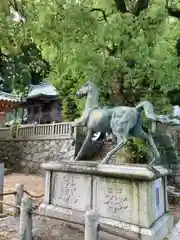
[(121, 141), (78, 122), (111, 137), (151, 142), (87, 142), (121, 123)]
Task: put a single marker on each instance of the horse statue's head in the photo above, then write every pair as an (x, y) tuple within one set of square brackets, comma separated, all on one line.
[(88, 87)]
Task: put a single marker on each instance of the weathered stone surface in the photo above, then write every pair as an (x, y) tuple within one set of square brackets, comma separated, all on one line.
[(29, 154), (120, 199), (72, 191), (133, 206), (116, 199), (176, 232)]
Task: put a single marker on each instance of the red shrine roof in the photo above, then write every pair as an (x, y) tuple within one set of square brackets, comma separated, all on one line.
[(10, 101)]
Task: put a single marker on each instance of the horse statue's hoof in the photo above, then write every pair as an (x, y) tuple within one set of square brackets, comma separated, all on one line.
[(76, 159), (104, 161), (153, 162)]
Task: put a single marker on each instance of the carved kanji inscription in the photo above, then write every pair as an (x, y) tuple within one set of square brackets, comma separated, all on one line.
[(71, 191), (115, 200), (68, 189)]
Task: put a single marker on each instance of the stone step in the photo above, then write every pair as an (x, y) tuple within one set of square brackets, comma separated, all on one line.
[(108, 146)]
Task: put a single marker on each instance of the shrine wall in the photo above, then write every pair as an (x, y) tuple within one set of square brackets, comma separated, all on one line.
[(27, 155)]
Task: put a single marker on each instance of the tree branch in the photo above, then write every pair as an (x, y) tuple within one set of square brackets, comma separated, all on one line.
[(112, 51), (178, 47), (15, 7), (100, 10), (3, 54), (173, 12), (140, 6), (121, 6)]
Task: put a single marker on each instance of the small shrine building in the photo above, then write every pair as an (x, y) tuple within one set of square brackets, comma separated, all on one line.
[(42, 104), (9, 103)]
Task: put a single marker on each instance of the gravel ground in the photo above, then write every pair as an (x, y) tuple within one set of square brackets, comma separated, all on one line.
[(44, 229), (34, 184)]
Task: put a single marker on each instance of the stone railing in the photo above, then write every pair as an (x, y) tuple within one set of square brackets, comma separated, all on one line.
[(37, 131), (5, 133)]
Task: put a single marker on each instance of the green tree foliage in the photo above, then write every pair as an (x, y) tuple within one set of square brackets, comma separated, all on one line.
[(21, 61), (125, 42), (20, 69), (30, 67), (81, 39)]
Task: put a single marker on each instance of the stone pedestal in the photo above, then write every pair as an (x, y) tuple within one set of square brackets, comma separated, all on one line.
[(130, 199)]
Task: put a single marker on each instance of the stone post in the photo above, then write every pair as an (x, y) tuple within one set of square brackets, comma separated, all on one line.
[(1, 184), (25, 228), (18, 197), (47, 194), (91, 224), (52, 128)]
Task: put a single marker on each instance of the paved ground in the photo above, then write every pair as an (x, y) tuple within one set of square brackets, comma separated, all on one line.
[(53, 230)]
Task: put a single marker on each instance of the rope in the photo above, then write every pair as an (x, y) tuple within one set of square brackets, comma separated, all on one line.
[(11, 205), (36, 206), (30, 195), (9, 193), (56, 218), (99, 228), (14, 193)]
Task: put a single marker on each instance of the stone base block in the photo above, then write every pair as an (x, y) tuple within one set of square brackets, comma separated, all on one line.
[(158, 231), (130, 199)]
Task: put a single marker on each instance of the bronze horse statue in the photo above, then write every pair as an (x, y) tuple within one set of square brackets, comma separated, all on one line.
[(121, 121)]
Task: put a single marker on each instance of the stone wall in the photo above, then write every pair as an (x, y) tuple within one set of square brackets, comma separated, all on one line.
[(27, 155)]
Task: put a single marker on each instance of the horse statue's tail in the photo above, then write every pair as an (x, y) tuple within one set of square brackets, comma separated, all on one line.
[(148, 109)]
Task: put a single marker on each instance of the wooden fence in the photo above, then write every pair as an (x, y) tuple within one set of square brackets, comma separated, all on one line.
[(37, 131), (24, 206), (26, 209)]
